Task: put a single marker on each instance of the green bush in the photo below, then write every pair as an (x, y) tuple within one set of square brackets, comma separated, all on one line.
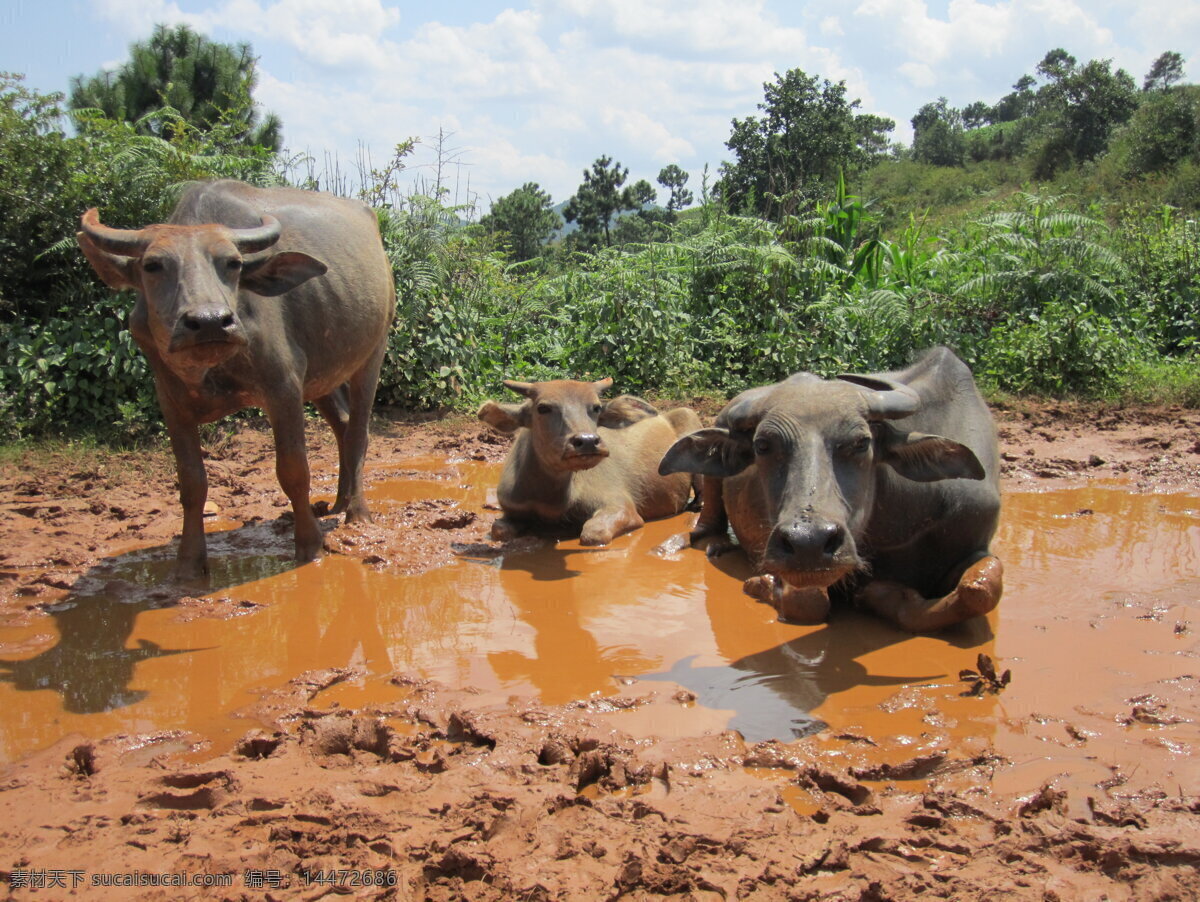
[(79, 371), (1063, 349)]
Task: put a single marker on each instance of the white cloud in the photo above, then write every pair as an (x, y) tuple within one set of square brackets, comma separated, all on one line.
[(138, 17), (331, 33), (831, 26), (919, 74)]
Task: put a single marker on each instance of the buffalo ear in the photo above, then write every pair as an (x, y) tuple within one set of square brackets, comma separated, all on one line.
[(709, 452), (925, 458), (275, 274), (116, 271), (506, 418), (625, 410)]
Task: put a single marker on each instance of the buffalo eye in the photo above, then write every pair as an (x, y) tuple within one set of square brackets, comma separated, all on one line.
[(544, 408), (153, 265), (762, 447), (596, 408), (857, 446), (233, 263)]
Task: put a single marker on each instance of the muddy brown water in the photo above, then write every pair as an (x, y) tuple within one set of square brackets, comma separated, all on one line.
[(1098, 625)]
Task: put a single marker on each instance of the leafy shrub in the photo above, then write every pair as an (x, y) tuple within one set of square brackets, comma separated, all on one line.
[(1064, 348), (81, 371), (1163, 253)]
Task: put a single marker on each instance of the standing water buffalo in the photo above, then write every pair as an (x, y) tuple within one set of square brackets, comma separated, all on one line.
[(257, 296), (581, 463), (824, 492)]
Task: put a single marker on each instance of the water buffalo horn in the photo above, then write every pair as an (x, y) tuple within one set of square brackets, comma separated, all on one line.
[(886, 400), (125, 242), (521, 388), (251, 241)]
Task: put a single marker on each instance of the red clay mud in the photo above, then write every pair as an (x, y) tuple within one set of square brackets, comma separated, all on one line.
[(513, 722)]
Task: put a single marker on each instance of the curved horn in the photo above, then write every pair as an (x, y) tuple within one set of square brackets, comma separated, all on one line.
[(521, 388), (602, 385), (886, 400), (125, 242), (250, 241)]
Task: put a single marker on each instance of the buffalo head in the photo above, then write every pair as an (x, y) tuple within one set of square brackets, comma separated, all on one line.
[(189, 277), (564, 417), (813, 447)]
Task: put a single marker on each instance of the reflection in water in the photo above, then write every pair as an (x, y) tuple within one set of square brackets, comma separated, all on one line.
[(90, 666)]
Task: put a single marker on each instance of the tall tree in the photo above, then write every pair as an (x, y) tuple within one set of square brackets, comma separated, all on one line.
[(204, 80), (526, 217), (938, 134), (1165, 71), (1079, 108), (792, 153), (599, 198), (674, 179)]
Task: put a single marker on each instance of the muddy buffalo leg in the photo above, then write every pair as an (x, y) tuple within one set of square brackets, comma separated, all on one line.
[(793, 605), (713, 522), (361, 388), (978, 591), (610, 522), (335, 410), (291, 468), (191, 563)]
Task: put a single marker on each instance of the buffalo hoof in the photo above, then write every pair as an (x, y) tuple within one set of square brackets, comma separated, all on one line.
[(807, 606), (356, 513), (719, 546), (503, 530), (193, 572), (593, 537)]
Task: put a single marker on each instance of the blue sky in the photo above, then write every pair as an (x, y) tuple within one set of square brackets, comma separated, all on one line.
[(536, 90)]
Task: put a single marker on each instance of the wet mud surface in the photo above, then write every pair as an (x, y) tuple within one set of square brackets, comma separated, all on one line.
[(456, 719)]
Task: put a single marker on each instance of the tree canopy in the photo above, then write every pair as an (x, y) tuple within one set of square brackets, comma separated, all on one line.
[(790, 155), (526, 218), (205, 81), (600, 197)]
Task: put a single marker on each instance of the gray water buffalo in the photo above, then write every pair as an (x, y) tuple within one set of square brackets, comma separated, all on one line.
[(265, 297), (581, 463), (824, 492)]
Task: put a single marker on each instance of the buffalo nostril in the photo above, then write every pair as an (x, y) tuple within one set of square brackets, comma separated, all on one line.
[(227, 321), (835, 535)]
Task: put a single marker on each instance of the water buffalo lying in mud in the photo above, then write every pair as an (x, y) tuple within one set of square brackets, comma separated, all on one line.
[(825, 493), (257, 296), (578, 462)]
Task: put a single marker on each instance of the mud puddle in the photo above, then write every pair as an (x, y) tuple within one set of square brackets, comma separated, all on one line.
[(1098, 626)]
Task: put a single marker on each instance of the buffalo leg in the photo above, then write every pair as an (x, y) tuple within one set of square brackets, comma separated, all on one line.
[(609, 522), (291, 468), (793, 604), (335, 410), (191, 563), (978, 591), (713, 522), (361, 395)]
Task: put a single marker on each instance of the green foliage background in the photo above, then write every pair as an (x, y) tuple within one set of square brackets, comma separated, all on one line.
[(1086, 284)]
